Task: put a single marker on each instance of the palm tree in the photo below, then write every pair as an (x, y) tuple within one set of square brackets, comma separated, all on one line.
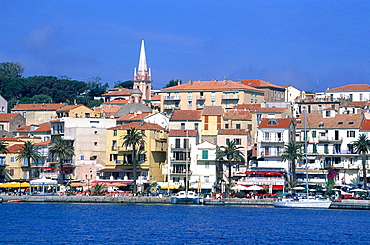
[(28, 152), (292, 152), (362, 147), (232, 152), (134, 139), (64, 150), (3, 147)]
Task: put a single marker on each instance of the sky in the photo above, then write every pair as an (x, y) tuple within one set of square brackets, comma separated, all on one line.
[(311, 45)]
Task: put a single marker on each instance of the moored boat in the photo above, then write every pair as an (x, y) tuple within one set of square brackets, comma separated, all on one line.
[(186, 197), (301, 203)]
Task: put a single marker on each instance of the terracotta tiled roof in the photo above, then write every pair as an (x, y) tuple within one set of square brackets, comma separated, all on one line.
[(259, 83), (213, 111), (38, 107), (139, 126), (256, 108), (351, 121), (116, 102), (229, 131), (118, 92), (210, 85), (238, 115), (365, 126), (27, 137), (360, 104), (281, 123), (6, 117), (351, 87), (108, 110), (16, 148), (69, 107), (45, 127), (183, 133), (183, 115), (156, 97), (134, 116), (10, 139), (44, 142), (329, 109)]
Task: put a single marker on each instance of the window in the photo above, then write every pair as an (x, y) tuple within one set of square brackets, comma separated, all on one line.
[(206, 179), (196, 125), (351, 134), (190, 95), (177, 143), (114, 145), (267, 136), (190, 104), (95, 143), (326, 148), (237, 126), (213, 95), (114, 132), (204, 154), (213, 103), (218, 122), (182, 125), (226, 125), (238, 141), (314, 148), (267, 150), (82, 157), (206, 121), (227, 141), (87, 115), (12, 159), (95, 132), (1, 127), (206, 165), (94, 121), (313, 134), (113, 157)]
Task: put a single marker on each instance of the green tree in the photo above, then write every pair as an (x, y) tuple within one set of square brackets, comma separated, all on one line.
[(8, 72), (134, 139), (41, 98), (127, 84), (362, 147), (292, 152), (232, 152), (3, 147), (173, 83), (95, 87), (63, 150), (28, 152)]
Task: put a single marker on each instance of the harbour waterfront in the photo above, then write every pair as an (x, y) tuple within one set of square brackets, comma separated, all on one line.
[(81, 223)]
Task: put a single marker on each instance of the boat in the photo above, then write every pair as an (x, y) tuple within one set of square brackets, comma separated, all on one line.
[(186, 197), (302, 202)]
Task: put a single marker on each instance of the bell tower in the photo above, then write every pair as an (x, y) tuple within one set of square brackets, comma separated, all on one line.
[(143, 77)]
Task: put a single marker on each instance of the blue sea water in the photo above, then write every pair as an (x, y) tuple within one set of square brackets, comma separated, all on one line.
[(60, 223)]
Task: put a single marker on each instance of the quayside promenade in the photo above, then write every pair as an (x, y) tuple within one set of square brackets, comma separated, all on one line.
[(345, 204)]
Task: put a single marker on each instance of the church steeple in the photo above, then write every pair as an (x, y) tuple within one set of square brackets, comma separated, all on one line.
[(142, 73), (142, 78)]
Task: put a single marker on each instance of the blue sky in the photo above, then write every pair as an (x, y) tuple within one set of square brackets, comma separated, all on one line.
[(311, 45)]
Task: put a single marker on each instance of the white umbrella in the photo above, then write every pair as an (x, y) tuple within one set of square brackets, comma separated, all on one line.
[(358, 190), (298, 188), (254, 188), (239, 187)]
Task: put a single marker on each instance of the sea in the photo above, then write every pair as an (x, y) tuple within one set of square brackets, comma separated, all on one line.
[(76, 223)]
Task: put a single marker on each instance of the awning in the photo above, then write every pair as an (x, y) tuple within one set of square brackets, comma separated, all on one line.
[(15, 185), (120, 170), (163, 187), (126, 182), (48, 168)]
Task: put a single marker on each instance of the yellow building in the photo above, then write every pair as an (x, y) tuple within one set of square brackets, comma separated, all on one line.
[(38, 113), (119, 158), (198, 94), (79, 111)]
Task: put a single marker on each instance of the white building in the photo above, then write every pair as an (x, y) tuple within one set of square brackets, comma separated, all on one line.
[(352, 92)]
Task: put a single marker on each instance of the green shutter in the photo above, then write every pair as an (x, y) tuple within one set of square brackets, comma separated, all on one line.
[(204, 154)]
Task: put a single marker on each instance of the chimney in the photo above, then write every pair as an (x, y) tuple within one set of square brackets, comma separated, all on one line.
[(225, 81), (190, 82)]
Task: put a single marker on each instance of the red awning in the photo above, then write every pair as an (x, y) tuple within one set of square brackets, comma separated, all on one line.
[(127, 182), (48, 168), (278, 187)]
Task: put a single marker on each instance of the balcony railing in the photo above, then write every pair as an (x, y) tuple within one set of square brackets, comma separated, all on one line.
[(230, 97), (329, 139), (171, 97), (273, 140), (199, 97), (180, 147), (172, 107)]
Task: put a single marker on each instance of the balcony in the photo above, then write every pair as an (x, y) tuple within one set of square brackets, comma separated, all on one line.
[(269, 154), (229, 97), (329, 139), (199, 97), (180, 147), (171, 98), (273, 140), (167, 107), (200, 106)]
